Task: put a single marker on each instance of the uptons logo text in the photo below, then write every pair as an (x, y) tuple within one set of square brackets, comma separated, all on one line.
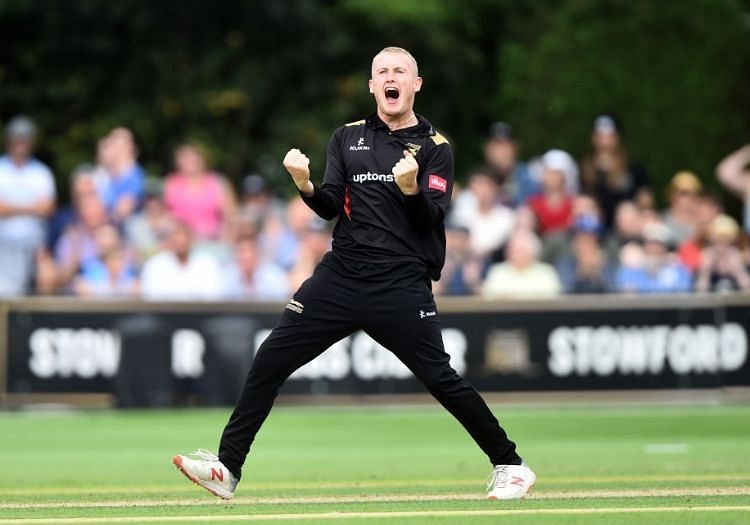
[(373, 177)]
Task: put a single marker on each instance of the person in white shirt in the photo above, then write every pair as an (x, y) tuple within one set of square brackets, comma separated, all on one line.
[(480, 211), (248, 277), (522, 275), (181, 273), (27, 199)]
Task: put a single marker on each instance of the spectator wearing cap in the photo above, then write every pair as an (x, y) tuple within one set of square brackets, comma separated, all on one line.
[(586, 269), (690, 251), (257, 198), (553, 206), (488, 220), (248, 277), (27, 199), (514, 177), (608, 173), (734, 173), (146, 230), (652, 269), (684, 194), (198, 196), (521, 274), (122, 179), (180, 272), (462, 272), (722, 263)]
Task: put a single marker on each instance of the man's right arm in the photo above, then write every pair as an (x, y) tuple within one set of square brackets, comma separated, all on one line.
[(327, 199)]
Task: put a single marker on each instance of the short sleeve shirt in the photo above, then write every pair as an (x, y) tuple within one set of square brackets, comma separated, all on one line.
[(24, 186)]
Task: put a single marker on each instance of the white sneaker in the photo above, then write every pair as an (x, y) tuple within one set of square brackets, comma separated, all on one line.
[(510, 482), (208, 472)]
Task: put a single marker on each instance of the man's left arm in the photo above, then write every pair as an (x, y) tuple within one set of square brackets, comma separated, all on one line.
[(427, 199)]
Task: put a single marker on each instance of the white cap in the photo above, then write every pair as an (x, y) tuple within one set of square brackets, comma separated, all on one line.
[(559, 160), (21, 127), (605, 124)]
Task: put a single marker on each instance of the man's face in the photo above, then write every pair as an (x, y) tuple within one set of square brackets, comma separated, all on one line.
[(394, 83), (500, 154), (20, 147)]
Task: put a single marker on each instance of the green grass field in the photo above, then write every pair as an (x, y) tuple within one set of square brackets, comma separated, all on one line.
[(611, 465)]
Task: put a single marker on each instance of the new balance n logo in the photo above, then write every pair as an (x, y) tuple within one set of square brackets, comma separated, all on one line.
[(217, 474)]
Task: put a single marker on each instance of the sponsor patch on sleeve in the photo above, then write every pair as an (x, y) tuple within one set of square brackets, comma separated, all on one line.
[(436, 182)]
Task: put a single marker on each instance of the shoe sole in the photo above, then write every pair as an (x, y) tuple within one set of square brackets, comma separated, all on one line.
[(177, 462)]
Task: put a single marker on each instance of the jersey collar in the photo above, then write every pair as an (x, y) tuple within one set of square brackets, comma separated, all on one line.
[(422, 128)]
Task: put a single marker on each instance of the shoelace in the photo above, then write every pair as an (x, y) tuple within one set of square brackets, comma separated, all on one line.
[(205, 454), (498, 479)]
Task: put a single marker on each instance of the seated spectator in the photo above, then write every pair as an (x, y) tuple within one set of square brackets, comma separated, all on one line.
[(516, 183), (249, 278), (607, 172), (655, 269), (586, 269), (83, 183), (723, 267), (627, 229), (257, 198), (734, 174), (521, 275), (111, 273), (282, 232), (146, 230), (684, 193), (122, 181), (462, 273), (27, 199), (314, 244), (489, 222), (78, 244), (553, 206), (690, 251), (179, 272), (197, 196)]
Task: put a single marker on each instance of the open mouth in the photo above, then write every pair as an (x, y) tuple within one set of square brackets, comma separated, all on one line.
[(391, 94)]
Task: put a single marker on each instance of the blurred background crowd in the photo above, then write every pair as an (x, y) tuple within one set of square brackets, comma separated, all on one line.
[(555, 223)]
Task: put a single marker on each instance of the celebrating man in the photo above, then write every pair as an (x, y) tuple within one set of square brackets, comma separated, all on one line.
[(388, 180)]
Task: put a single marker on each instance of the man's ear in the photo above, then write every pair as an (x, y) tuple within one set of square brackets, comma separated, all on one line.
[(369, 85), (417, 83)]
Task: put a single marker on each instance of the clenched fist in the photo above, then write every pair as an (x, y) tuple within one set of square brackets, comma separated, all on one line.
[(298, 166), (405, 173)]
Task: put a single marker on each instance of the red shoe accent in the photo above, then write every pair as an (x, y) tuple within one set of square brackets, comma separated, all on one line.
[(177, 462), (517, 481), (217, 474)]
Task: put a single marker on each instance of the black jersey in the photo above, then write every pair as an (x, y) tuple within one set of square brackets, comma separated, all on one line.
[(376, 222)]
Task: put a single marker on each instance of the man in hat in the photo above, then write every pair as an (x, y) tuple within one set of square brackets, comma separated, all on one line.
[(27, 199)]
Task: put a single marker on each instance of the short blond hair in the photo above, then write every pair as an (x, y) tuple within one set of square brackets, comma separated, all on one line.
[(401, 50)]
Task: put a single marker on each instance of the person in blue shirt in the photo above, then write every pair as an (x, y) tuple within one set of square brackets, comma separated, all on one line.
[(516, 180), (654, 269), (122, 181)]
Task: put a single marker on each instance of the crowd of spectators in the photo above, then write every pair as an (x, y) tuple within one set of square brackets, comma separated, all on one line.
[(516, 229)]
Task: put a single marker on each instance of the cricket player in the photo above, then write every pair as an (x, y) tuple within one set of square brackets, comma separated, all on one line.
[(388, 181)]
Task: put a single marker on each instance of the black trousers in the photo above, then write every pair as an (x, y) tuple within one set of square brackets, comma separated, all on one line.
[(384, 300)]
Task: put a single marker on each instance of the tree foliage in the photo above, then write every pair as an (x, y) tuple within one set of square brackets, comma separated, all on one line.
[(251, 79)]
